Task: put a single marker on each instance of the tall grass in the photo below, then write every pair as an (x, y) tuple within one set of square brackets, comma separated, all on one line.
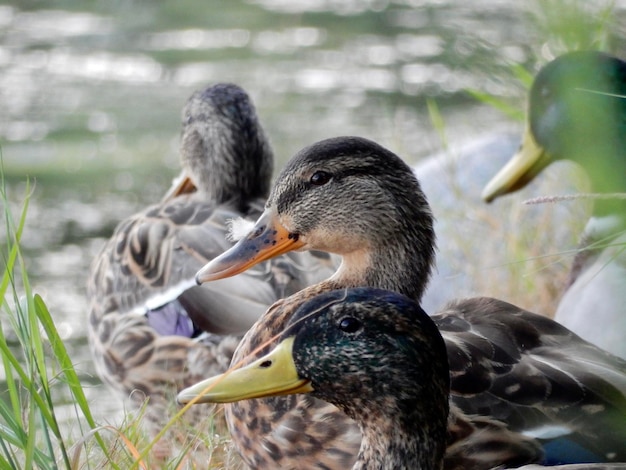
[(36, 367), (559, 26), (38, 371), (30, 435)]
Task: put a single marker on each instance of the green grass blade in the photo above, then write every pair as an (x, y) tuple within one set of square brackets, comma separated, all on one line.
[(522, 75), (13, 433), (7, 462), (437, 121), (498, 103), (71, 378)]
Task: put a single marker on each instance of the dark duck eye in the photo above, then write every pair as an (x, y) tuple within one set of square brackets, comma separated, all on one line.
[(349, 325), (320, 177)]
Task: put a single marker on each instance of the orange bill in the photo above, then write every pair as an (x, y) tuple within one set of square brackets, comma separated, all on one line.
[(267, 239), (181, 185)]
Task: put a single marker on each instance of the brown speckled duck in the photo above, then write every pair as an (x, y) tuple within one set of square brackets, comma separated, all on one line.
[(379, 358), (523, 388), (152, 330)]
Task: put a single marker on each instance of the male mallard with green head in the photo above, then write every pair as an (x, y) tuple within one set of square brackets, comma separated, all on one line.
[(577, 112), (374, 354)]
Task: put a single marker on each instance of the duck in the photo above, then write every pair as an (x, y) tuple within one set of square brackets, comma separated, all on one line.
[(378, 357), (469, 233), (523, 392), (152, 330), (577, 112), (374, 354)]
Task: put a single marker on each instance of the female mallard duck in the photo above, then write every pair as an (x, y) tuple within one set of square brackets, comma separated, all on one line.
[(379, 358), (519, 388), (146, 311), (577, 111)]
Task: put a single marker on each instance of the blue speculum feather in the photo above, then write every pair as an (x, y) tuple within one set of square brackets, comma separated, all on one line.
[(563, 451)]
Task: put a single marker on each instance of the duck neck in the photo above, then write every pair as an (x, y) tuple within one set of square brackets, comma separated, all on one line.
[(239, 166), (402, 264), (605, 165), (410, 442)]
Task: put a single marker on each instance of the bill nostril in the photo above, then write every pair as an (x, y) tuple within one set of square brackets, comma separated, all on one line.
[(257, 233)]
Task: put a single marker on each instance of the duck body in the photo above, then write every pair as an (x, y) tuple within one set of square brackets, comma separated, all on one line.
[(374, 354), (152, 330), (593, 303), (582, 466), (378, 357), (577, 112), (509, 384)]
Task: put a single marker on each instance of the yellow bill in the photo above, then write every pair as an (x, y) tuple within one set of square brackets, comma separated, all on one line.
[(273, 374), (519, 171)]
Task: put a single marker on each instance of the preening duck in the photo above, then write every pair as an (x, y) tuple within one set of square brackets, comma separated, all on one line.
[(577, 111), (374, 354), (523, 388), (148, 320)]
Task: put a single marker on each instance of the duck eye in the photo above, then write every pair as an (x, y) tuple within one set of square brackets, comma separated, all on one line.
[(349, 324), (320, 177)]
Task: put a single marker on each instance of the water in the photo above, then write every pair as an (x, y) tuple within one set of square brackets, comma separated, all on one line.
[(90, 100)]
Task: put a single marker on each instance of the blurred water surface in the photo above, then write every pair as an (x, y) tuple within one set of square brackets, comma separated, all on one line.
[(91, 93)]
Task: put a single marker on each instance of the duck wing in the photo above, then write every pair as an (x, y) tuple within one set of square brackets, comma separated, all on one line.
[(538, 377)]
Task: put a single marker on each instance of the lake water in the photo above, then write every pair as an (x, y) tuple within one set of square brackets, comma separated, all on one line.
[(90, 99)]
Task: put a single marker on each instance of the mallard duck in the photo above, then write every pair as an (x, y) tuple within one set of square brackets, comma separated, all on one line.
[(152, 330), (469, 234), (520, 389), (379, 358), (375, 355), (577, 111)]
